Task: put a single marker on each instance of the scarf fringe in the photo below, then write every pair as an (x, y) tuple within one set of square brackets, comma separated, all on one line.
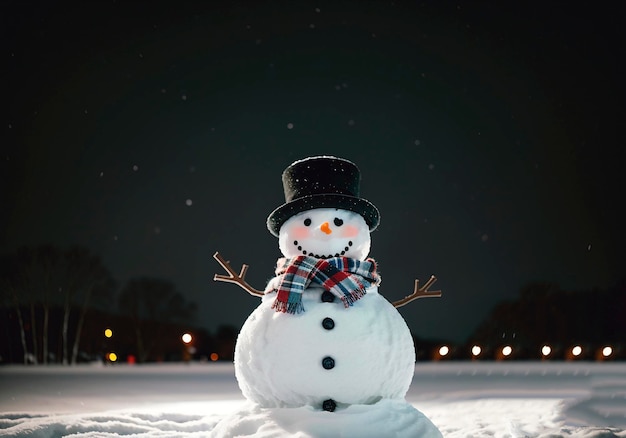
[(291, 308), (348, 300)]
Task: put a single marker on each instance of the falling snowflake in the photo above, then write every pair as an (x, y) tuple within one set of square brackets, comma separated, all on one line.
[(431, 166), (289, 125), (135, 168), (189, 202), (417, 142)]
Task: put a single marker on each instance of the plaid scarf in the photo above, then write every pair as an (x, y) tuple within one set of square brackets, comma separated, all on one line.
[(344, 277)]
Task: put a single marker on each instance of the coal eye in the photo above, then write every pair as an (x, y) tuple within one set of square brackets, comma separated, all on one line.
[(307, 222), (338, 222)]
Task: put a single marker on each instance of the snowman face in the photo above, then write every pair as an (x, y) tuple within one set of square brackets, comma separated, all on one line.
[(325, 233)]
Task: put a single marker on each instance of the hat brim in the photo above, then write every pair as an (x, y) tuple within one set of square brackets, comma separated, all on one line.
[(278, 217)]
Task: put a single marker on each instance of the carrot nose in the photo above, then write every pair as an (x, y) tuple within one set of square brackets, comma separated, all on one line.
[(325, 228)]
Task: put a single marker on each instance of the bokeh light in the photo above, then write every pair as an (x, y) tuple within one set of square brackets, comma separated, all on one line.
[(607, 351), (108, 333), (476, 350), (444, 350), (112, 357), (507, 350), (546, 350), (187, 338), (577, 350), (214, 357)]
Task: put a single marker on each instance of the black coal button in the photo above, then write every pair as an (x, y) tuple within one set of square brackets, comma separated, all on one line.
[(328, 363), (327, 297), (328, 323), (329, 405)]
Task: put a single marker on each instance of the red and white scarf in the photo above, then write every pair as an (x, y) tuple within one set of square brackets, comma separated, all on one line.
[(344, 277)]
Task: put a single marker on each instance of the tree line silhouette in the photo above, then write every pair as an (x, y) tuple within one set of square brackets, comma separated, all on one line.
[(48, 294), (55, 304), (546, 314)]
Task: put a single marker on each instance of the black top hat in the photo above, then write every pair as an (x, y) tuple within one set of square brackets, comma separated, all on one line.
[(322, 182)]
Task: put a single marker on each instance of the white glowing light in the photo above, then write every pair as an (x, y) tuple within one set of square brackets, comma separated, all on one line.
[(476, 350), (444, 350), (607, 351), (186, 338), (546, 350), (577, 350), (507, 350)]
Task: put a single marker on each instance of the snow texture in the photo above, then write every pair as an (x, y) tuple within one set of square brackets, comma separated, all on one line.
[(465, 399)]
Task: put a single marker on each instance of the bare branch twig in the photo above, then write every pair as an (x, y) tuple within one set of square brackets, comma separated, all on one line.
[(419, 292), (233, 277)]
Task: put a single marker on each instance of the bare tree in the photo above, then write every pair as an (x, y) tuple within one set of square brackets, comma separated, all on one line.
[(152, 303), (97, 283), (84, 275), (28, 290), (36, 278), (48, 259)]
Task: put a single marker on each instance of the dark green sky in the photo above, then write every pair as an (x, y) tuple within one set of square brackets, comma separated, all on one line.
[(489, 136)]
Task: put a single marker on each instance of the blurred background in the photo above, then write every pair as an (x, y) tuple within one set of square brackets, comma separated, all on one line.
[(141, 137)]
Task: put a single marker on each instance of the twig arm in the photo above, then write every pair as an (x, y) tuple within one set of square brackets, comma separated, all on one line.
[(419, 292), (233, 277)]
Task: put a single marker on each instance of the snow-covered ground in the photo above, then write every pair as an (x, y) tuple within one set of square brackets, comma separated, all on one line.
[(465, 399)]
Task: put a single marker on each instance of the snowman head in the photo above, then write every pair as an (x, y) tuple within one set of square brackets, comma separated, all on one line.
[(325, 233), (322, 189)]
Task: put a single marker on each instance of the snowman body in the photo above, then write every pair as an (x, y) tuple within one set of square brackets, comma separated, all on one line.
[(350, 355), (355, 355)]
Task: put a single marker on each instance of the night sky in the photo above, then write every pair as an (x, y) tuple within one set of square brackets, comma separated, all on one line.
[(489, 135)]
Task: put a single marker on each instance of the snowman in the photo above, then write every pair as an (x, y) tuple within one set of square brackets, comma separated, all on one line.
[(323, 340)]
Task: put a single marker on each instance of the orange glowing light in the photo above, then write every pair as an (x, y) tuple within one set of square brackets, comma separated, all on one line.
[(214, 357)]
